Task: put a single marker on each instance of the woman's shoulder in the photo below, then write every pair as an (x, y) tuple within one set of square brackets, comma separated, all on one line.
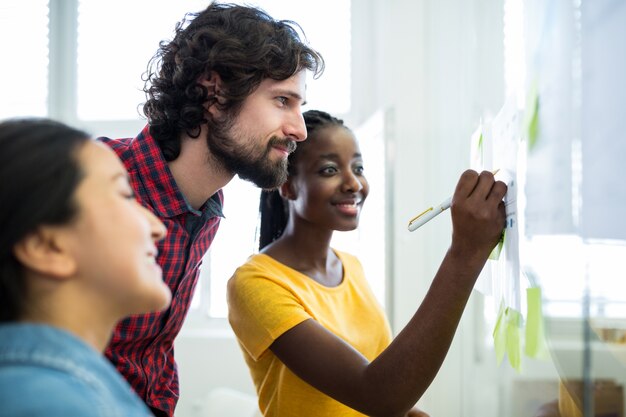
[(34, 390), (255, 263), (58, 373), (57, 391), (262, 273), (257, 266), (261, 264)]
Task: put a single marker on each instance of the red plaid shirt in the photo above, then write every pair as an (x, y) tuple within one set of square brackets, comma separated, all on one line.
[(142, 345)]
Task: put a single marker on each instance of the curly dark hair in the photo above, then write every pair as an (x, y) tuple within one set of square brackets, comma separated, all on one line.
[(244, 45), (273, 211)]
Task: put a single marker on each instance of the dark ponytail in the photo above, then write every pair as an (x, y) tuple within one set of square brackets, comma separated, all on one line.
[(274, 212), (274, 217)]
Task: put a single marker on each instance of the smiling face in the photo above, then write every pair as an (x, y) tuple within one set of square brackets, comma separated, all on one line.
[(259, 139), (112, 240), (328, 187)]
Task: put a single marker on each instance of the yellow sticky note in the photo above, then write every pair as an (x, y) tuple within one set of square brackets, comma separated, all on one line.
[(531, 116), (513, 320), (536, 346), (507, 336), (477, 154), (499, 339)]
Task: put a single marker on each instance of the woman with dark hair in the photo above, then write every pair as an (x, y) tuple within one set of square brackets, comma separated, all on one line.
[(77, 254), (312, 333)]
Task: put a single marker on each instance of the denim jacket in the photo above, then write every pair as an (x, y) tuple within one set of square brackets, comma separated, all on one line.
[(46, 371)]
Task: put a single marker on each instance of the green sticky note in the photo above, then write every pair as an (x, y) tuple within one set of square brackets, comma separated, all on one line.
[(531, 116), (507, 336), (477, 143), (499, 338), (495, 253), (513, 323), (536, 346)]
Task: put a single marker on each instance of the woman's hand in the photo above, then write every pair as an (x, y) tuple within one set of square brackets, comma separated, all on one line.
[(478, 214)]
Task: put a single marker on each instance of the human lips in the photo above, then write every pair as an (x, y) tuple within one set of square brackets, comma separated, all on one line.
[(282, 150), (285, 146), (349, 207)]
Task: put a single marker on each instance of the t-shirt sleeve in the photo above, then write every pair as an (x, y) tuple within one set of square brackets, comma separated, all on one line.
[(261, 309)]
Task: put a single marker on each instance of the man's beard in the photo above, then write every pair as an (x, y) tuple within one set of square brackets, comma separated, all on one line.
[(250, 163)]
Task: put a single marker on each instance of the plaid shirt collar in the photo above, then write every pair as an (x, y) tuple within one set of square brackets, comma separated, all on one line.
[(154, 173)]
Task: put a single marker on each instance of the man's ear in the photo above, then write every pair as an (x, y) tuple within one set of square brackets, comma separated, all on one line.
[(213, 83), (287, 191), (43, 252)]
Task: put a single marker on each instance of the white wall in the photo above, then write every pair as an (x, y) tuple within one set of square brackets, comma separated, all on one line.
[(208, 360)]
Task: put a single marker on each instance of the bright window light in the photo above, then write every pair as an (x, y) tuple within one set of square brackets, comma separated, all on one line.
[(24, 69), (116, 39)]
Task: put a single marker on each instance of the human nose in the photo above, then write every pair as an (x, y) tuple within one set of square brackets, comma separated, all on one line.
[(295, 127), (351, 183), (157, 228)]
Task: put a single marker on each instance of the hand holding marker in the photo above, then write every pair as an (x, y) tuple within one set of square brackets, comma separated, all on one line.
[(432, 212)]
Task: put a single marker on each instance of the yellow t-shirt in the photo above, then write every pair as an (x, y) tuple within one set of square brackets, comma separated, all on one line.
[(267, 298)]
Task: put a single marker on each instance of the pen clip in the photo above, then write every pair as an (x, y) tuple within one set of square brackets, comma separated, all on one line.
[(420, 215)]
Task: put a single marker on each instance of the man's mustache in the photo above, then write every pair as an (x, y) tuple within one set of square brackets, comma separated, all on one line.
[(288, 144)]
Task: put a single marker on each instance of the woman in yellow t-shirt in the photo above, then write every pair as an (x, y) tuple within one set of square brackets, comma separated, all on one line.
[(316, 341)]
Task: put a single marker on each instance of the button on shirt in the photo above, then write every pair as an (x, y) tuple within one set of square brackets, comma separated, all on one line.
[(142, 346)]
